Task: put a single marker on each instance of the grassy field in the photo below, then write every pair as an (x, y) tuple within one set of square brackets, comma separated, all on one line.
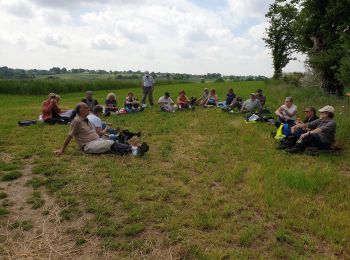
[(211, 186)]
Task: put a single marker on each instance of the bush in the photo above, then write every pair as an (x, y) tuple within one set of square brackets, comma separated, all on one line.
[(293, 78)]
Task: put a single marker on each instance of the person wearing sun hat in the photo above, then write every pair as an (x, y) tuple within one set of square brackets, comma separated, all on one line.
[(323, 134)]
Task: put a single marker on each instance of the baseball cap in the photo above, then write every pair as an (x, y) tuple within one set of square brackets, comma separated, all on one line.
[(52, 95), (329, 109)]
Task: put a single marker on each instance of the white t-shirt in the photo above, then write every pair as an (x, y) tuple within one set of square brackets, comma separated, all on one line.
[(95, 121), (290, 110), (167, 101)]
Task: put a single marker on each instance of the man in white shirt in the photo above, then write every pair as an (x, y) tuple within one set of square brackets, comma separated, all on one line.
[(147, 86), (287, 112), (166, 103)]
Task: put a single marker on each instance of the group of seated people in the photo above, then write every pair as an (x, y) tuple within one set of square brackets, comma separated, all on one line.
[(313, 131)]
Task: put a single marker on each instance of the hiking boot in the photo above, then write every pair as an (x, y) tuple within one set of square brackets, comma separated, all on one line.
[(142, 149)]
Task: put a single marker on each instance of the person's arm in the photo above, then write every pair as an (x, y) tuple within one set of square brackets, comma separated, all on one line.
[(47, 107), (65, 144), (278, 112), (99, 131)]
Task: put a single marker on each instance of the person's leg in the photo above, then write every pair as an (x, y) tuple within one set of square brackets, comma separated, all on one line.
[(317, 142), (145, 93), (52, 121), (150, 96)]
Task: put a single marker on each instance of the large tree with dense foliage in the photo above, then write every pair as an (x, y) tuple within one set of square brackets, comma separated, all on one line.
[(321, 30)]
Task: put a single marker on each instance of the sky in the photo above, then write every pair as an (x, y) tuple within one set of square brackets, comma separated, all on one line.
[(178, 36)]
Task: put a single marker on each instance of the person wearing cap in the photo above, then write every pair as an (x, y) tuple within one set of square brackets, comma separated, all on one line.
[(251, 105), (90, 142), (51, 111), (260, 96), (323, 134), (287, 112), (299, 129), (89, 100), (147, 86)]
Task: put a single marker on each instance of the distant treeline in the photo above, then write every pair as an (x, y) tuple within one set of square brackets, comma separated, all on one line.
[(44, 86), (9, 73)]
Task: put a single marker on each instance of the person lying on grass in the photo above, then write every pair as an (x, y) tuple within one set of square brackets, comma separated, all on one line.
[(51, 111), (131, 103), (166, 103), (323, 134), (212, 100), (90, 142), (201, 101), (287, 112), (89, 100), (103, 129), (183, 101), (299, 128), (251, 105)]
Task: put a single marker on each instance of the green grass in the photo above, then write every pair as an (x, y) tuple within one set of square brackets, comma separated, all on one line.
[(3, 195), (10, 176), (22, 224), (211, 186)]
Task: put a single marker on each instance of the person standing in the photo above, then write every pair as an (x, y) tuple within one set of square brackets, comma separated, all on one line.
[(148, 86)]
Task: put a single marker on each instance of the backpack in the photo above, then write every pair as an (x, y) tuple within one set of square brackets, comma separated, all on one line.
[(26, 122)]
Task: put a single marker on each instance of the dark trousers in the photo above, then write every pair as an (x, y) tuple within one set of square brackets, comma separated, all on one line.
[(291, 123), (312, 140), (56, 120), (147, 91), (120, 148)]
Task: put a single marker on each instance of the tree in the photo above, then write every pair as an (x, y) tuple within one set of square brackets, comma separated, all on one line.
[(322, 30), (280, 34)]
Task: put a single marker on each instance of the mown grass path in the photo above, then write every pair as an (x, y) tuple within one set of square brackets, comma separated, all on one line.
[(211, 186)]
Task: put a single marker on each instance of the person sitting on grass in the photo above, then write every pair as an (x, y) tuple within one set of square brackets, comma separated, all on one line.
[(182, 100), (102, 128), (89, 141), (251, 105), (260, 96), (111, 104), (287, 112), (323, 134), (89, 100), (230, 98), (51, 111), (298, 129), (212, 100), (131, 104), (166, 103), (201, 101)]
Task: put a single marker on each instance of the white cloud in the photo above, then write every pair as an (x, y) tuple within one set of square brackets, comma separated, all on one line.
[(56, 39), (168, 35), (106, 42)]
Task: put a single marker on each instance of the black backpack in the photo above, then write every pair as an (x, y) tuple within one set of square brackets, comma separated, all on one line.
[(26, 122)]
